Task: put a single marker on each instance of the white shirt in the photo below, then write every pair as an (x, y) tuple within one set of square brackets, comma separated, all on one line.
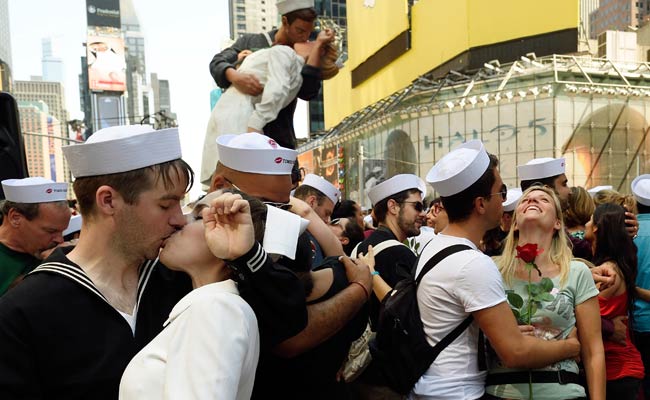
[(278, 69), (462, 283), (208, 350)]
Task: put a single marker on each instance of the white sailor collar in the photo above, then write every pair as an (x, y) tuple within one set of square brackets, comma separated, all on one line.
[(62, 266), (228, 286)]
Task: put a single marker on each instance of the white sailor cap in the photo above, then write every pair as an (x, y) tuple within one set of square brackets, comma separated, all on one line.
[(396, 184), (318, 182), (540, 168), (592, 192), (74, 225), (121, 149), (287, 6), (512, 197), (459, 169), (34, 190), (255, 153), (641, 189)]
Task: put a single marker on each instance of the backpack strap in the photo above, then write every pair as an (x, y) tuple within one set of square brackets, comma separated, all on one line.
[(378, 248), (433, 261)]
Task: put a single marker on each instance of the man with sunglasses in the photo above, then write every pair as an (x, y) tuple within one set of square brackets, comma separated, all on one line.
[(256, 165), (398, 207)]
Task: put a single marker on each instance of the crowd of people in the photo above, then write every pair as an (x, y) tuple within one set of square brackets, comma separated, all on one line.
[(273, 285)]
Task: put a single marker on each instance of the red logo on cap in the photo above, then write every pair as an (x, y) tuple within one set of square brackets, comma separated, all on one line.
[(48, 191), (273, 143), (278, 160)]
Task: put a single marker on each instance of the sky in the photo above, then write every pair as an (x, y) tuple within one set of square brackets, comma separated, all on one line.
[(181, 37)]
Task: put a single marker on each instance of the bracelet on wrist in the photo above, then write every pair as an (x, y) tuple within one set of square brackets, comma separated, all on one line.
[(373, 273), (362, 286)]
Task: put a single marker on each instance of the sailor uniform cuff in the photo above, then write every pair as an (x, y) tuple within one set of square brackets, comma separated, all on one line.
[(253, 260)]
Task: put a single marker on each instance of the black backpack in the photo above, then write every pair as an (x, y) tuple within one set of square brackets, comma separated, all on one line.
[(400, 351)]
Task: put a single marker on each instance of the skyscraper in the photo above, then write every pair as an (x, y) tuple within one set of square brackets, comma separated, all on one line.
[(44, 155), (51, 62), (51, 94), (252, 16), (334, 11), (5, 37), (5, 48), (136, 74)]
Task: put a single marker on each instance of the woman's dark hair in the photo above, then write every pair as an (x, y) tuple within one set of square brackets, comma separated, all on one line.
[(354, 233), (613, 243), (345, 209)]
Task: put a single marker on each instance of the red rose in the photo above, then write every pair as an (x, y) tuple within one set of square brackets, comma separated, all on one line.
[(528, 252)]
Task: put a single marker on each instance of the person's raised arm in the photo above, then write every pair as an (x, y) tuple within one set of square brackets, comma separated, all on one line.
[(379, 285), (328, 242), (224, 72), (517, 350), (330, 316), (593, 353)]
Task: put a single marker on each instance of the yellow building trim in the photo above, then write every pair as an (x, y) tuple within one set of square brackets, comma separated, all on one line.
[(440, 31)]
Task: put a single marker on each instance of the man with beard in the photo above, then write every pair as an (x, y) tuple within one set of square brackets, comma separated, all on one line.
[(71, 327), (34, 215), (397, 203)]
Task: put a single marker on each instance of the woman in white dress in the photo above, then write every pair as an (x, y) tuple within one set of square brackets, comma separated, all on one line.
[(278, 69), (210, 345)]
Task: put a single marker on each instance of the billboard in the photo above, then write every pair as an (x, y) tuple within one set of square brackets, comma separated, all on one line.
[(106, 63), (103, 13)]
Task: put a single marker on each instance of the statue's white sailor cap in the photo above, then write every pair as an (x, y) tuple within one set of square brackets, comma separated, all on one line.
[(74, 225), (592, 192), (512, 197), (318, 182), (121, 149), (459, 169), (641, 189), (540, 168), (34, 190), (287, 6), (255, 153), (396, 184)]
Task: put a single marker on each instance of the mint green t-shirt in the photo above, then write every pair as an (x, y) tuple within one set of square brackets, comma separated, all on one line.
[(554, 320), (12, 265)]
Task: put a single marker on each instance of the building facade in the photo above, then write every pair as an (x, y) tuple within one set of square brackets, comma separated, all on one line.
[(618, 15), (41, 132), (5, 35), (252, 16), (51, 96), (590, 111)]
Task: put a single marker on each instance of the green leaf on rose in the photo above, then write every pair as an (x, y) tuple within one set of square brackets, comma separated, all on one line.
[(546, 284), (514, 299)]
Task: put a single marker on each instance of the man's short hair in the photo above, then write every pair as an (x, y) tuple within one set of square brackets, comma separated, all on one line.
[(304, 191), (305, 14), (459, 206), (28, 210), (381, 208), (130, 184)]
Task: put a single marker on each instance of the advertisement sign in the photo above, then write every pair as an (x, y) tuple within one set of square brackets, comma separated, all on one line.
[(106, 63), (51, 150), (103, 13)]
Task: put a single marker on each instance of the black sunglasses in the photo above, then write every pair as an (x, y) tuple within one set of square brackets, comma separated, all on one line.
[(418, 205)]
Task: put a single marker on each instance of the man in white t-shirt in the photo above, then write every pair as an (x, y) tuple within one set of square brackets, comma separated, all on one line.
[(468, 282)]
